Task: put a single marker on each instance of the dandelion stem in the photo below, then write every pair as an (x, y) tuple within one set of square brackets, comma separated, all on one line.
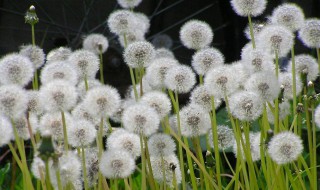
[(294, 103), (143, 165), (84, 168), (318, 55), (251, 32), (65, 135), (101, 67)]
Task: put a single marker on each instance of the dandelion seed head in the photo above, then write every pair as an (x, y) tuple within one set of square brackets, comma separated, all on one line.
[(317, 116), (257, 27), (285, 147), (289, 15), (85, 62), (38, 166), (82, 133), (305, 64), (206, 59), (309, 33), (196, 34), (254, 143), (81, 87), (59, 71), (256, 60), (142, 22), (131, 37), (248, 7), (116, 164), (34, 105), (161, 145), (34, 53), (129, 4), (58, 54), (201, 96), (121, 21), (116, 117), (162, 41), (159, 101), (285, 79), (6, 129), (225, 137), (16, 69), (180, 78), (139, 54), (13, 101), (92, 165), (102, 101), (246, 105), (284, 110), (21, 124), (96, 43), (141, 119)]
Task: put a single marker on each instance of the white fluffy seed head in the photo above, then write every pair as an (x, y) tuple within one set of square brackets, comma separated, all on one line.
[(289, 15), (180, 78), (16, 69), (102, 101), (140, 119), (284, 110), (82, 133), (121, 21), (201, 96), (59, 71), (69, 168), (34, 53), (256, 60), (92, 165), (242, 74), (38, 166), (220, 81), (116, 164), (131, 37), (305, 64), (164, 53), (265, 84), (6, 129), (317, 116), (58, 54), (254, 144), (116, 117), (58, 95), (142, 22), (285, 147), (194, 121), (139, 54), (257, 27), (13, 100), (206, 59), (169, 164), (159, 101), (34, 105), (157, 70), (162, 41), (225, 137), (309, 33), (248, 7), (51, 124), (123, 140), (85, 62), (285, 80), (196, 34), (21, 124), (161, 145), (246, 105), (81, 87), (80, 112), (128, 4), (96, 43), (275, 39)]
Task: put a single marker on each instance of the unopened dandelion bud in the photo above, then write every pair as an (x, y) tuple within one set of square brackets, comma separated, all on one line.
[(31, 16), (300, 108), (46, 148)]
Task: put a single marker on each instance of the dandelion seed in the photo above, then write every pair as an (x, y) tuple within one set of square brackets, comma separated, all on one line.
[(196, 34), (194, 121), (169, 162), (157, 70), (85, 62), (34, 105), (225, 137), (96, 43), (139, 54), (6, 129), (34, 53), (58, 95), (13, 101), (206, 59), (246, 105), (102, 101), (59, 71), (180, 78), (285, 147), (121, 21), (141, 119), (201, 96), (116, 164), (305, 64), (159, 101), (309, 33), (289, 15), (161, 145), (265, 84), (58, 54), (285, 79), (248, 7), (123, 140), (16, 69), (82, 133)]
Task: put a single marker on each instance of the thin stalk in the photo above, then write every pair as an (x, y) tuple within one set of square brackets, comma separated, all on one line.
[(201, 79), (42, 178), (190, 166), (84, 168), (251, 32), (294, 100), (86, 82), (164, 179), (101, 67), (65, 135), (298, 175), (227, 160), (174, 181), (318, 55), (199, 150), (314, 149), (33, 142), (147, 156), (143, 165), (127, 186), (48, 180), (59, 179), (276, 102)]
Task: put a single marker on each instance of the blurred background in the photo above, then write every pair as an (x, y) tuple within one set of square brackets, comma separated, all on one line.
[(67, 22)]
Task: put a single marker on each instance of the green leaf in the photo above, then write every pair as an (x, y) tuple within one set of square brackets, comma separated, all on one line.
[(3, 173)]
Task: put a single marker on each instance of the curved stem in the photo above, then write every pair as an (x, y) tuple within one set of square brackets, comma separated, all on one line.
[(251, 32)]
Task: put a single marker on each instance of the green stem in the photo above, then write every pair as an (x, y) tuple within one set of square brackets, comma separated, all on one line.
[(276, 102), (251, 32), (314, 149), (201, 79), (65, 135), (48, 180), (190, 166), (143, 165), (86, 82), (59, 179), (84, 168), (294, 103), (101, 67), (318, 55)]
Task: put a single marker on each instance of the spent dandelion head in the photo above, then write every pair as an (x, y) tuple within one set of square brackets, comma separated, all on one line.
[(34, 53), (96, 43), (248, 7), (309, 33), (139, 54)]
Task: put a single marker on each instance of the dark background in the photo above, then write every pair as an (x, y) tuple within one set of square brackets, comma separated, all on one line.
[(66, 22)]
